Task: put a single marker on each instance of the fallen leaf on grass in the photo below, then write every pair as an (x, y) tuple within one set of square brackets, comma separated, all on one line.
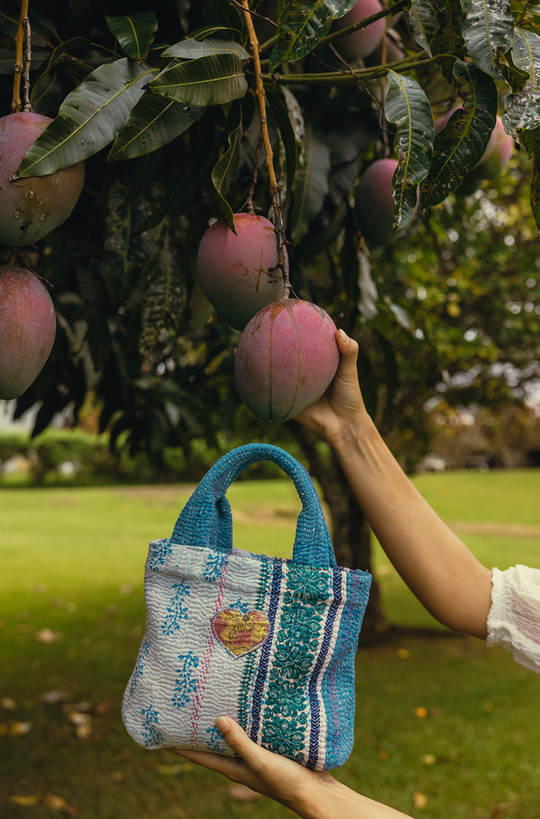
[(117, 776), (243, 793), (429, 759), (47, 636), (421, 713), (8, 703), (24, 800), (403, 653), (103, 707), (173, 770), (59, 803), (55, 696), (420, 800), (15, 729), (82, 723)]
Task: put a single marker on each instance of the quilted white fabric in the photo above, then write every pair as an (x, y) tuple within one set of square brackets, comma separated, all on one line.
[(514, 617)]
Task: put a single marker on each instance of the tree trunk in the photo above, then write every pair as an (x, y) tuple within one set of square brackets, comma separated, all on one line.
[(351, 534)]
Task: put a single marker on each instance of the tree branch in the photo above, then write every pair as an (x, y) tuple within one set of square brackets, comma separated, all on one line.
[(275, 190), (27, 64), (18, 67)]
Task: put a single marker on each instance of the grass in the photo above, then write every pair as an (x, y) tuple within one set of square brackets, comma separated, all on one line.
[(72, 562)]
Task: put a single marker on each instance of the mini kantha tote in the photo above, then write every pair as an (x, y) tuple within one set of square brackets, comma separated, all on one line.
[(267, 641)]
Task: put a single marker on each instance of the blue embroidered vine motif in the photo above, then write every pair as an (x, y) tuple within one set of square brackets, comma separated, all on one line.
[(151, 734), (186, 683), (177, 610), (239, 606), (159, 550), (214, 565), (215, 740), (138, 670)]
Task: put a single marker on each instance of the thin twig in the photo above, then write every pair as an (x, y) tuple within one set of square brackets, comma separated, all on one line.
[(18, 67), (27, 64), (275, 190), (254, 13), (248, 204)]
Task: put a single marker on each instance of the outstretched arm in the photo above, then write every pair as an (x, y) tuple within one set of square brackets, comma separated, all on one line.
[(310, 794), (438, 568)]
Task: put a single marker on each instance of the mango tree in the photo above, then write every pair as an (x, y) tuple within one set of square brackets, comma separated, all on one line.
[(190, 113)]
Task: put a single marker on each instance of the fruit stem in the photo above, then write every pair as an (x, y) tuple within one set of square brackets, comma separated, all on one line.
[(18, 67), (27, 64), (12, 256), (275, 190)]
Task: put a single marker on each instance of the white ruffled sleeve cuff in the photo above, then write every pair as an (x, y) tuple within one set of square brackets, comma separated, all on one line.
[(514, 616)]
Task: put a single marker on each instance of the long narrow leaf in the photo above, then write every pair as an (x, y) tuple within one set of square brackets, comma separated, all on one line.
[(311, 184), (193, 49), (407, 106), (531, 140), (195, 164), (212, 80), (88, 118), (523, 109), (424, 23), (488, 31), (227, 164), (134, 33), (447, 38), (302, 23), (63, 48), (153, 122), (279, 109), (7, 59), (461, 144), (144, 170)]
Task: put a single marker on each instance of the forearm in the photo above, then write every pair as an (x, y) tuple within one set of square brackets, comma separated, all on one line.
[(438, 568), (333, 800)]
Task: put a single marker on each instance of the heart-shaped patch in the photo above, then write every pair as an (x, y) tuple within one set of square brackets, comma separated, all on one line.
[(240, 633)]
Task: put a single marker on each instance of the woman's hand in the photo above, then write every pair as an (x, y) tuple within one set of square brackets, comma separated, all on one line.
[(310, 794), (272, 775), (342, 405)]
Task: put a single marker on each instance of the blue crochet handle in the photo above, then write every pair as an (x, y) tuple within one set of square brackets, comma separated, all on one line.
[(206, 519)]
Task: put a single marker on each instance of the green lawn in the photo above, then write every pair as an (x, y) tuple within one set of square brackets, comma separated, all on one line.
[(72, 562)]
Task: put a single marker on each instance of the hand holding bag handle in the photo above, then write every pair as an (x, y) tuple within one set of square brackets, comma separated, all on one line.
[(206, 519)]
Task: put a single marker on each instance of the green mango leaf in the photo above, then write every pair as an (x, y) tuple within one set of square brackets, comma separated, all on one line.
[(226, 14), (227, 164), (63, 48), (192, 49), (531, 140), (195, 164), (523, 109), (206, 31), (89, 117), (302, 23), (424, 23), (280, 112), (153, 122), (7, 59), (408, 107), (311, 184), (212, 80), (144, 170), (40, 26), (463, 141), (447, 38), (134, 33), (488, 31)]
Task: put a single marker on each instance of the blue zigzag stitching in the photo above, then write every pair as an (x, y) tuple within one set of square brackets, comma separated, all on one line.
[(215, 740), (138, 670), (177, 610), (151, 734), (159, 550), (214, 565), (185, 683)]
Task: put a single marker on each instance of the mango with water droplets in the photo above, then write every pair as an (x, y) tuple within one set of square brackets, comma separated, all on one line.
[(235, 270), (286, 358), (31, 207), (27, 329)]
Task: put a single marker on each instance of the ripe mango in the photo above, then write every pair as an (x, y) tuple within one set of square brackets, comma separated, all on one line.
[(285, 359)]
